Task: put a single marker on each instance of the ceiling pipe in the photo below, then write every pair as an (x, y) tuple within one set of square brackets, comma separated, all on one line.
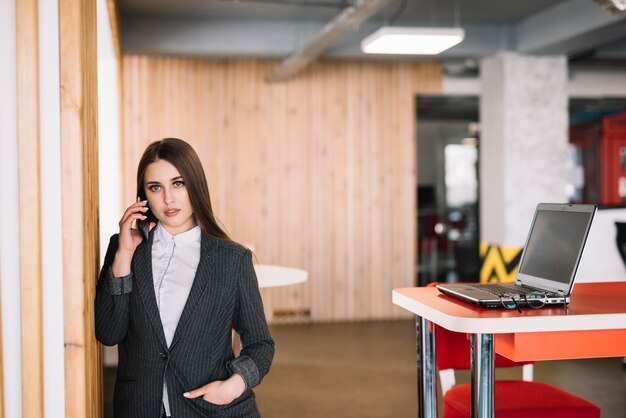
[(347, 21), (616, 7)]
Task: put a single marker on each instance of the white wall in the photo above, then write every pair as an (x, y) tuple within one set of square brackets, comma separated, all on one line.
[(51, 217), (9, 217), (597, 83), (601, 261), (581, 83), (461, 86), (108, 130)]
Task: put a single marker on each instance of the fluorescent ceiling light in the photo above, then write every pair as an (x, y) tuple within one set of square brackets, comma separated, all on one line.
[(406, 40)]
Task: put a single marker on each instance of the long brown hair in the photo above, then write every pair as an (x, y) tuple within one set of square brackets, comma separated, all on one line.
[(182, 156)]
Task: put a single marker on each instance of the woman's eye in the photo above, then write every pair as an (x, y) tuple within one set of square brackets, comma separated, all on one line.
[(179, 183), (154, 188)]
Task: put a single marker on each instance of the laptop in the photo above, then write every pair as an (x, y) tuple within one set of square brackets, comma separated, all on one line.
[(549, 261)]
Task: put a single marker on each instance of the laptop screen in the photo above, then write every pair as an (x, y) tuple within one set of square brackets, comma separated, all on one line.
[(555, 244)]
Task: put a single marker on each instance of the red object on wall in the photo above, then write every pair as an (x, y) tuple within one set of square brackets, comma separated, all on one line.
[(602, 145), (613, 148)]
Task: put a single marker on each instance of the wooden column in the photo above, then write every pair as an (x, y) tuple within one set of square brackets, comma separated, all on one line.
[(79, 155), (29, 206)]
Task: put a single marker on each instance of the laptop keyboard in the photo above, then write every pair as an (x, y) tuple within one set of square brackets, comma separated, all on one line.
[(497, 289)]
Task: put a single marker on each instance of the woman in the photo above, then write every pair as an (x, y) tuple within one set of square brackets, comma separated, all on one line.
[(170, 300)]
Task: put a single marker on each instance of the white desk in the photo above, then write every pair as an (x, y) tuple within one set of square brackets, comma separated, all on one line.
[(274, 276), (594, 325)]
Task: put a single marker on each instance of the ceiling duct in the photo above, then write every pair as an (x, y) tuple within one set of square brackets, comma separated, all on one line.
[(616, 7), (347, 21)]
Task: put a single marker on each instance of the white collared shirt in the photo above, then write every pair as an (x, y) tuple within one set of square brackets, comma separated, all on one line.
[(175, 259)]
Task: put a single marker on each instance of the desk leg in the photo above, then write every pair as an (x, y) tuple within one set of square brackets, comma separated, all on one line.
[(426, 382), (482, 376)]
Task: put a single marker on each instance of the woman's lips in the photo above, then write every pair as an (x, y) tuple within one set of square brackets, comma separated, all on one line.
[(171, 213)]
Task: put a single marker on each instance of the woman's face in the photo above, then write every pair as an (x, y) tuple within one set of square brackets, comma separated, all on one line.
[(168, 198)]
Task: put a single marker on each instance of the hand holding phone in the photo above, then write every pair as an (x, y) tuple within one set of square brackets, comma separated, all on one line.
[(129, 237)]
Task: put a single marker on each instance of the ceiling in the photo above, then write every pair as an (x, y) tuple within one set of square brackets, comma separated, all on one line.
[(415, 10), (579, 29)]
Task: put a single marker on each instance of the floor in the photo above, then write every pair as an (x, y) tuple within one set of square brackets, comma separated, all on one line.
[(367, 369)]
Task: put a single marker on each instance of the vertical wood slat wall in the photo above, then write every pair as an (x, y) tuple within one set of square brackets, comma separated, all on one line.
[(77, 58), (79, 173), (318, 172), (29, 206)]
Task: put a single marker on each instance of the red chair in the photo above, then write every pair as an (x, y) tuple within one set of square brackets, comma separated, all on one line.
[(513, 398)]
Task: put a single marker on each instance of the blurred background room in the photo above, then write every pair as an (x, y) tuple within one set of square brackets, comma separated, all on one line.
[(348, 170)]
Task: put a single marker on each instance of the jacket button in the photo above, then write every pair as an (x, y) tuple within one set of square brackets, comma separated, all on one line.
[(164, 356)]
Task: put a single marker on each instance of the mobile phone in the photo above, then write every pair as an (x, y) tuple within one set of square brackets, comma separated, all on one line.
[(143, 225)]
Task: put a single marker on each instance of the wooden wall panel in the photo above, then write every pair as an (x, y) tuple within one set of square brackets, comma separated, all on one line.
[(79, 176), (318, 172), (30, 207)]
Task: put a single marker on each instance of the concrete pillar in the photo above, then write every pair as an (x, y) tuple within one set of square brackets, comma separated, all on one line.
[(524, 142)]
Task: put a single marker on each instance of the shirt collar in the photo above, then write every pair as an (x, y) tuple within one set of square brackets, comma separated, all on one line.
[(182, 239)]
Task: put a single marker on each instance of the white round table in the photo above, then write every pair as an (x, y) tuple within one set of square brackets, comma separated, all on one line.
[(273, 276)]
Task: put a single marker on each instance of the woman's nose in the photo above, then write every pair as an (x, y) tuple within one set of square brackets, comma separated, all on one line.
[(168, 197)]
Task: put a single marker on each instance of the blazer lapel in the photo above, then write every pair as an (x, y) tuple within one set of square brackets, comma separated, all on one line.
[(203, 288), (145, 285)]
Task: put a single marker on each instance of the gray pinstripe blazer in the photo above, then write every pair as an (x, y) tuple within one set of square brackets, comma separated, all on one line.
[(224, 293)]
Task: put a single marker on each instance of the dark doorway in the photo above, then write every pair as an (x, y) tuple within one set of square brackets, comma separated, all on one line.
[(448, 136)]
